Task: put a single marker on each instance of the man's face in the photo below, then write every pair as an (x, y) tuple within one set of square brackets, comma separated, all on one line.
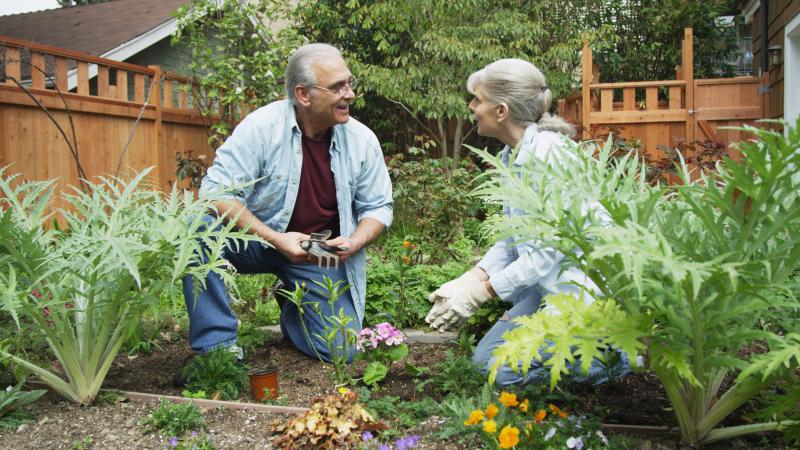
[(327, 107)]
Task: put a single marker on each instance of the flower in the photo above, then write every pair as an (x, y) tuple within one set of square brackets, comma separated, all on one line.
[(550, 433), (576, 443), (490, 426), (491, 411), (343, 390), (407, 442), (172, 441), (509, 437), (540, 415), (36, 293), (367, 436), (508, 400), (474, 417), (557, 411), (406, 259), (406, 244), (524, 405), (384, 447)]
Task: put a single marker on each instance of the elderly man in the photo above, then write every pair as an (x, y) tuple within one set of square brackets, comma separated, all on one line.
[(306, 166)]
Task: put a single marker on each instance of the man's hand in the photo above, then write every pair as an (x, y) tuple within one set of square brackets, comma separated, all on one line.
[(289, 245), (350, 246), (461, 306)]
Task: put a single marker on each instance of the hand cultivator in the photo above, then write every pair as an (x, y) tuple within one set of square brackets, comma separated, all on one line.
[(324, 253)]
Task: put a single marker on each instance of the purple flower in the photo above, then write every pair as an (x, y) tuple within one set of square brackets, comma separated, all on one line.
[(384, 447), (367, 436), (172, 441), (407, 442)]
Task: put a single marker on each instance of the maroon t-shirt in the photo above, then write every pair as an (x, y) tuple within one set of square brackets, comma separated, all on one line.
[(316, 208)]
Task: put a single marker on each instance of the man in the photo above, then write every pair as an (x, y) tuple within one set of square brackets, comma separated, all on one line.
[(306, 166)]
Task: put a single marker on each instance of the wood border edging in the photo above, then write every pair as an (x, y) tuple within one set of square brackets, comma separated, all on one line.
[(141, 396)]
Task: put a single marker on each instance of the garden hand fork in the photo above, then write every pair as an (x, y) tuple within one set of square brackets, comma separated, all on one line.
[(325, 253)]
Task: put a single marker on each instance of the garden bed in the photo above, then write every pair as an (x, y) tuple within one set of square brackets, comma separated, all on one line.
[(637, 399)]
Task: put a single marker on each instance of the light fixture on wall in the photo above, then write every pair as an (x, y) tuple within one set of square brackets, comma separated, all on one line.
[(774, 52)]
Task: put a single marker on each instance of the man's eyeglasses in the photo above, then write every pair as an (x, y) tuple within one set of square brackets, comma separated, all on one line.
[(341, 90)]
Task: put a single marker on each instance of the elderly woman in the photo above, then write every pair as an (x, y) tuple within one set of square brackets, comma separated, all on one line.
[(511, 103)]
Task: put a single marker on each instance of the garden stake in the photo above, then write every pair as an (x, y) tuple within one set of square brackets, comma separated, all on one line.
[(316, 246)]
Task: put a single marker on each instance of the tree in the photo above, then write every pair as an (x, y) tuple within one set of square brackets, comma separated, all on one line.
[(419, 53)]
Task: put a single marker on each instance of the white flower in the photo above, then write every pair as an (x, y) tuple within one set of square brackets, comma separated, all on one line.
[(576, 443), (239, 89), (269, 74), (9, 388), (550, 433), (602, 437)]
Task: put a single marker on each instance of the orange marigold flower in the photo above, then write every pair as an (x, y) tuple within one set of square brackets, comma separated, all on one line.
[(524, 405), (508, 400), (474, 417), (406, 259), (490, 426), (406, 244), (557, 411), (540, 415), (492, 411), (509, 437)]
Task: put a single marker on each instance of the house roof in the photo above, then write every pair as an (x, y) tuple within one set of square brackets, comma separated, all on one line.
[(116, 29)]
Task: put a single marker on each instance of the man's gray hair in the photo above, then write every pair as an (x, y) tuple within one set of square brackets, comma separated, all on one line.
[(300, 69), (523, 88)]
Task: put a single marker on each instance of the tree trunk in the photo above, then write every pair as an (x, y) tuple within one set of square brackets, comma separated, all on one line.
[(457, 142), (442, 139)]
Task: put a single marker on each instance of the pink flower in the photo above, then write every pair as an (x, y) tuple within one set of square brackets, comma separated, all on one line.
[(36, 293)]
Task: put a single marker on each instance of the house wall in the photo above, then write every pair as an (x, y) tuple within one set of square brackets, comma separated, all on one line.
[(172, 58), (780, 13)]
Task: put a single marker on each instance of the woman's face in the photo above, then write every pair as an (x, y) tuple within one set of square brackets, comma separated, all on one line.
[(484, 112)]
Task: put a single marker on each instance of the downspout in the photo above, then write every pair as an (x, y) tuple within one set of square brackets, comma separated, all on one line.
[(764, 91)]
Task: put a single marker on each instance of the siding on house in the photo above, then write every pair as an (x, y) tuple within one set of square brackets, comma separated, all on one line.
[(780, 13)]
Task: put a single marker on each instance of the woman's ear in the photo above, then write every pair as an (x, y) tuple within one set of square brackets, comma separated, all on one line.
[(502, 112)]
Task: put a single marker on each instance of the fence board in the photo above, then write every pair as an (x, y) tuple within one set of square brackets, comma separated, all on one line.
[(122, 85), (37, 70), (13, 67), (102, 82), (83, 78)]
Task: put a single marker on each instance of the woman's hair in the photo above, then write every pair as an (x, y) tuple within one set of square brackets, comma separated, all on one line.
[(522, 87), (300, 69)]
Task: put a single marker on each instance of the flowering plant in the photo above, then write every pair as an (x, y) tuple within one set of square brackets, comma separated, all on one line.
[(514, 424), (370, 442), (380, 346)]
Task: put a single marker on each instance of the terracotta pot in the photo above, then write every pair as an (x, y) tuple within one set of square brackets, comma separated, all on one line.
[(264, 384)]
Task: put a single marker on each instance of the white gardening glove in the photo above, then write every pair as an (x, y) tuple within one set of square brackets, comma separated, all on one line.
[(447, 290), (461, 306)]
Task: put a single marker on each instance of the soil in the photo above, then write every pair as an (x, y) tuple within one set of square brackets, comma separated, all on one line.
[(637, 399)]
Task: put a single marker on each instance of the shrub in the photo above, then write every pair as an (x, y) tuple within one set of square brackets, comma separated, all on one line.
[(174, 419), (12, 399), (217, 371), (684, 272)]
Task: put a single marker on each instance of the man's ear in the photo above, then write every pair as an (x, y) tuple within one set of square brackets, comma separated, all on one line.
[(303, 95)]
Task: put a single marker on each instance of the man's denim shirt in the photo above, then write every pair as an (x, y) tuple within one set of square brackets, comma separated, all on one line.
[(267, 146), (515, 266)]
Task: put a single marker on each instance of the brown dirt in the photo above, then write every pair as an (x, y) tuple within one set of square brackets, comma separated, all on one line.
[(637, 399)]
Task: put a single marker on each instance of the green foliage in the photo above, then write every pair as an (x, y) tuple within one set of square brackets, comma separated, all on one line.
[(430, 204), (191, 394), (82, 287), (12, 399), (418, 53), (237, 59), (400, 414), (456, 375), (455, 408), (217, 371), (686, 271), (256, 302), (648, 46), (174, 419), (251, 337)]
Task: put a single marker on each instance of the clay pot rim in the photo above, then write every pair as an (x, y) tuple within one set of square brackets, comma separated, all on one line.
[(262, 371)]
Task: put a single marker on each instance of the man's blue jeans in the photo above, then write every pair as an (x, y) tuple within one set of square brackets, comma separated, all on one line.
[(213, 324), (526, 303)]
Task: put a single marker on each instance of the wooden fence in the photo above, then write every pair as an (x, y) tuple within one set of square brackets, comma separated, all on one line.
[(125, 116), (667, 112)]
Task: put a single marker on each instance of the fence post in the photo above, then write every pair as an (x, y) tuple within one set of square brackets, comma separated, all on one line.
[(155, 96), (687, 64), (586, 57)]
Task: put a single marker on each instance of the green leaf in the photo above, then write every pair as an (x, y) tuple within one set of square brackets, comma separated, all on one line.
[(374, 372)]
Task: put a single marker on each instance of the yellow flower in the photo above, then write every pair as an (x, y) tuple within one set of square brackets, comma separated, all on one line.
[(557, 411), (406, 259), (509, 437), (540, 415), (490, 426), (491, 411), (343, 390), (474, 417), (524, 406), (406, 244), (508, 400)]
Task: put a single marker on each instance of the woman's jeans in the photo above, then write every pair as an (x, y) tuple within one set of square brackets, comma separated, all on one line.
[(213, 324), (526, 303)]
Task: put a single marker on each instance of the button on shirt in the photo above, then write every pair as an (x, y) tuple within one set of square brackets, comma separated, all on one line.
[(260, 166)]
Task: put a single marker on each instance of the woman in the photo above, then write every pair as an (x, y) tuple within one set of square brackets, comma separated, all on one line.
[(511, 103)]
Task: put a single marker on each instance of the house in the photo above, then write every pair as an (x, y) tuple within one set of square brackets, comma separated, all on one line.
[(132, 31), (775, 26)]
